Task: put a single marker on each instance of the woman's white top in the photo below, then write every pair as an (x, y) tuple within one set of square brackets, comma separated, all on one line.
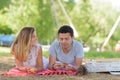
[(31, 61)]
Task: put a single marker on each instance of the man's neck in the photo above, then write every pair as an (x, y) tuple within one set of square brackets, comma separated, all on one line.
[(67, 50)]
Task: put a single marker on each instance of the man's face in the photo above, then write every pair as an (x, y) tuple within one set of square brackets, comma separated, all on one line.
[(65, 40)]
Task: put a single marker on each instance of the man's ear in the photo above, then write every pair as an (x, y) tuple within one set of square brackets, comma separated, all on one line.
[(73, 37)]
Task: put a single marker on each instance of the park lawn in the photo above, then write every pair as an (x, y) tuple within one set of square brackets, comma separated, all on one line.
[(7, 62), (95, 54), (106, 54), (5, 52)]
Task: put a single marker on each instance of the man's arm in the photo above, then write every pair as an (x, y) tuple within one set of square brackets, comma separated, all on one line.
[(79, 55), (52, 60), (78, 63)]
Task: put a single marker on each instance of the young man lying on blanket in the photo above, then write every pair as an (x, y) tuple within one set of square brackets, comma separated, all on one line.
[(66, 53)]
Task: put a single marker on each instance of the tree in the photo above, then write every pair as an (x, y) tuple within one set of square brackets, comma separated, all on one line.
[(45, 24), (95, 18), (4, 29), (35, 13)]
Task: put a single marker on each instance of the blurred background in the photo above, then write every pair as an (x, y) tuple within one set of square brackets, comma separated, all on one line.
[(96, 23)]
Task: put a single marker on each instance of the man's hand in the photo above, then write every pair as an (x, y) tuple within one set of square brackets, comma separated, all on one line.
[(58, 66), (68, 67)]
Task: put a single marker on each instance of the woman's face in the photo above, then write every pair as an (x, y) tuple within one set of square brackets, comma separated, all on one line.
[(34, 39)]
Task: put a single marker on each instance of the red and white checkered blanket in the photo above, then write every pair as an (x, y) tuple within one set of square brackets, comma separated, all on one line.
[(17, 72)]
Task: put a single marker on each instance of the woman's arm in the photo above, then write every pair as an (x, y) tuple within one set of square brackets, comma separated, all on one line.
[(39, 60), (18, 63)]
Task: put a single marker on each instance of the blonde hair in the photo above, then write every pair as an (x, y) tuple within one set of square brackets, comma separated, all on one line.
[(22, 44)]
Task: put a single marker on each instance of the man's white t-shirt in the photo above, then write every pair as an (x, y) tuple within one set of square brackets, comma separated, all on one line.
[(69, 58)]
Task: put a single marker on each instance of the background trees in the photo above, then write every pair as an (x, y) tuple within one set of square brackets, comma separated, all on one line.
[(91, 18)]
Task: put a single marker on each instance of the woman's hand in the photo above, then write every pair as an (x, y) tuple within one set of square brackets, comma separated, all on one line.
[(23, 68), (28, 69), (32, 70)]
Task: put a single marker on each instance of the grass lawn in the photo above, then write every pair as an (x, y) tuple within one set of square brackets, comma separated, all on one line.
[(94, 54), (106, 54), (7, 62), (5, 52)]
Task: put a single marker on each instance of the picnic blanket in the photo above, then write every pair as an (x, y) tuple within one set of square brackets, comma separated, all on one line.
[(17, 72)]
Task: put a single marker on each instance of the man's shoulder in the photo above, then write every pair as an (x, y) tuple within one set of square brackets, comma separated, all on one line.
[(78, 47), (75, 42)]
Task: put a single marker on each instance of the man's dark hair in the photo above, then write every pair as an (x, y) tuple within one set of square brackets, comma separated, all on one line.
[(66, 29)]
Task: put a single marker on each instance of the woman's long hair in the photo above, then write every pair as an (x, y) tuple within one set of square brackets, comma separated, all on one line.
[(22, 44)]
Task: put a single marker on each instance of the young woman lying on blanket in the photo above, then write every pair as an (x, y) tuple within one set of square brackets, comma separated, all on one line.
[(27, 52)]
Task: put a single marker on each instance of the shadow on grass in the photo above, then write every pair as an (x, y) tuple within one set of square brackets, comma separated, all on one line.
[(6, 66)]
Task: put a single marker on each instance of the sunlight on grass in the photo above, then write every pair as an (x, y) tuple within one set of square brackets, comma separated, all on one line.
[(5, 49), (5, 52)]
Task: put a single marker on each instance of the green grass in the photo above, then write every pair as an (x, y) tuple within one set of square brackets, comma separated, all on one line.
[(46, 54), (95, 54), (8, 64), (107, 54), (5, 52), (5, 55), (5, 49)]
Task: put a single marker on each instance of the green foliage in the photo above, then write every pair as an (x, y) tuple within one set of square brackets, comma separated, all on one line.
[(4, 29), (20, 13), (92, 19), (35, 13), (69, 5), (4, 3), (45, 23)]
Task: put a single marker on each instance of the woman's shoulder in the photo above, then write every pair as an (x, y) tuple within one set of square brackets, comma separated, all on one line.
[(36, 47)]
